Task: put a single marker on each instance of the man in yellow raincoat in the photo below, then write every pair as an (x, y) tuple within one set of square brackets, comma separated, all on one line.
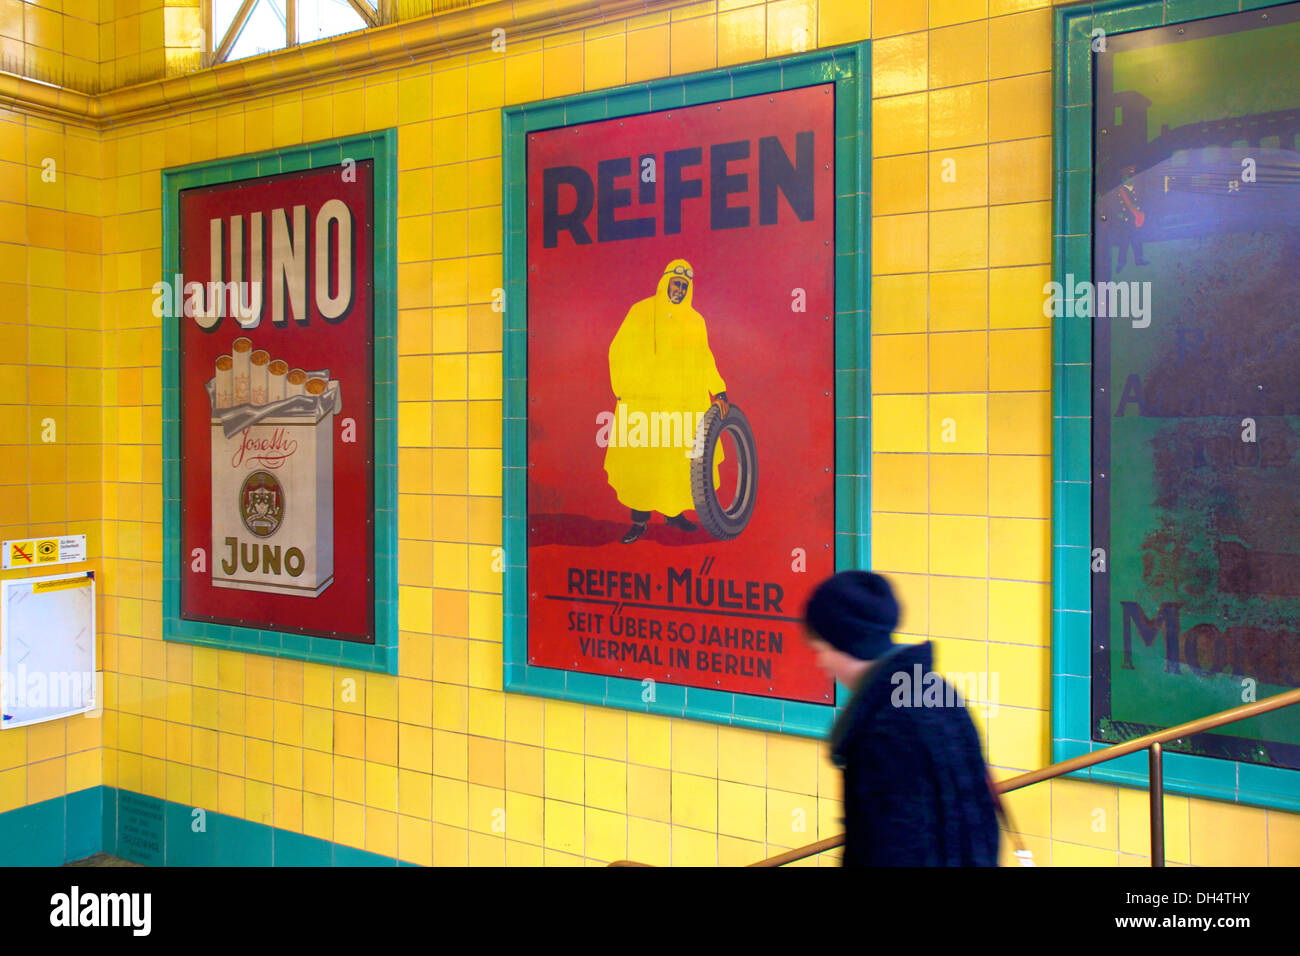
[(660, 365)]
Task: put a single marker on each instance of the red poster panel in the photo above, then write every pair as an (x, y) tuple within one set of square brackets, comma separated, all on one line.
[(277, 402), (681, 361)]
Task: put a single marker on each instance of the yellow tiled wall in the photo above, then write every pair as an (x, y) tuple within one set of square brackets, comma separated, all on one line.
[(94, 45), (437, 765), (146, 39), (961, 383), (51, 393), (56, 41)]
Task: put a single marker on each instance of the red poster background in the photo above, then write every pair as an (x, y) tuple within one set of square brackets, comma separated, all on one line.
[(345, 609), (778, 365)]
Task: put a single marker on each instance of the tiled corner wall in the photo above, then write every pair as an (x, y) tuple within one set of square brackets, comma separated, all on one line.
[(95, 45), (147, 39), (58, 41), (53, 450)]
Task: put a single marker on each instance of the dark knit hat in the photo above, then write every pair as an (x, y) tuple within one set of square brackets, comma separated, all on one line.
[(855, 612)]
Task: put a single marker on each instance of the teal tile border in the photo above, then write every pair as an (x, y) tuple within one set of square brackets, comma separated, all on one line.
[(81, 824), (226, 840), (1071, 422), (849, 68), (54, 831), (380, 146)]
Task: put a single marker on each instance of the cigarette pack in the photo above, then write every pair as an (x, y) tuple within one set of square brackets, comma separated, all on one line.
[(273, 482)]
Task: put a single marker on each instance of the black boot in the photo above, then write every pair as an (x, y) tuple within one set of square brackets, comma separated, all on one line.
[(685, 524), (637, 529)]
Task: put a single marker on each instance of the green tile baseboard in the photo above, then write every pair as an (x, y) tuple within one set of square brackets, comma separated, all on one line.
[(157, 832), (53, 832), (160, 832)]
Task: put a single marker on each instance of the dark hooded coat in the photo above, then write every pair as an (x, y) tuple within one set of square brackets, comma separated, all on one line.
[(916, 789)]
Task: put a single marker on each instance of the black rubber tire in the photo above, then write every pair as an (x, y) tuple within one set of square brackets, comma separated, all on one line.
[(724, 523)]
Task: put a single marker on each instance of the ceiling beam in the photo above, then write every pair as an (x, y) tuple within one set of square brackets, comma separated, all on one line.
[(365, 11), (236, 25)]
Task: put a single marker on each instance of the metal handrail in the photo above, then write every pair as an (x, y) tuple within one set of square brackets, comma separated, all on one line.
[(1153, 742)]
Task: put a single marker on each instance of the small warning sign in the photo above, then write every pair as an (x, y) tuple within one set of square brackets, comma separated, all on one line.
[(31, 552), (19, 554)]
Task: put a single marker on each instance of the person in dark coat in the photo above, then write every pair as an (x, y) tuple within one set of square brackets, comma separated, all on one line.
[(916, 788)]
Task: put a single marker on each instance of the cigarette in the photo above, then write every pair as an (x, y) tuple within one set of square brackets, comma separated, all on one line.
[(315, 386), (258, 362), (239, 353), (275, 373), (294, 381), (225, 396)]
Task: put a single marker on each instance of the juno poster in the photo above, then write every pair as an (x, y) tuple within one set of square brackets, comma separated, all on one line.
[(274, 301), (680, 392)]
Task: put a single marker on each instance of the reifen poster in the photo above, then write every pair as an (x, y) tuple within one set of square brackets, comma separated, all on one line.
[(276, 398), (681, 448)]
